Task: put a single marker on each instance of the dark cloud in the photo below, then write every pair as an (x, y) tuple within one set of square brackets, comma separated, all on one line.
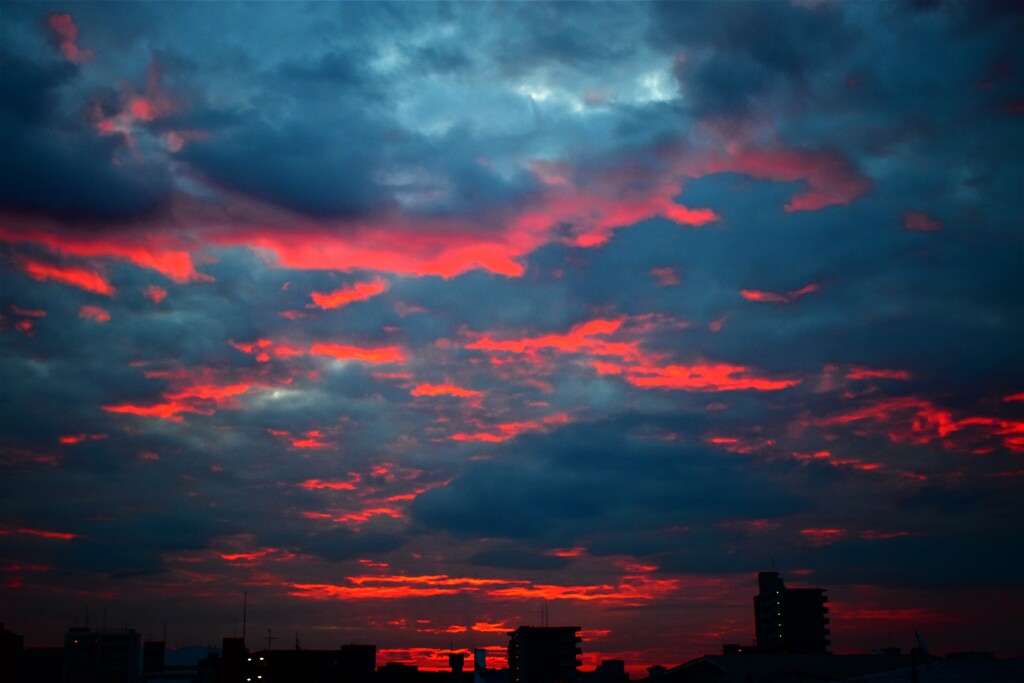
[(563, 487), (59, 167)]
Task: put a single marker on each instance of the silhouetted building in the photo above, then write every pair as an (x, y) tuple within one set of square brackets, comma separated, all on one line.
[(791, 620), (152, 656), (544, 654), (300, 666), (232, 660), (358, 663), (101, 656), (779, 668), (11, 645), (610, 671), (39, 665), (397, 672)]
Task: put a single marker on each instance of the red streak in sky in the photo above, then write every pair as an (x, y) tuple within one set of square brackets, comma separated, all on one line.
[(346, 295), (579, 339), (53, 535), (444, 390), (632, 590), (381, 354), (94, 313), (89, 280), (504, 432), (704, 377), (164, 411), (208, 391), (491, 627), (820, 537), (161, 253), (779, 297), (870, 373), (71, 439), (910, 419), (920, 222), (349, 485), (39, 313)]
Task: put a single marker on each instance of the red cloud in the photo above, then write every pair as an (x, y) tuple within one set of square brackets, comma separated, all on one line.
[(154, 103), (164, 411), (189, 391), (348, 485), (666, 277), (28, 313), (820, 537), (831, 179), (312, 440), (704, 377), (89, 280), (360, 291), (872, 373), (630, 590), (161, 253), (444, 390), (41, 533), (920, 222), (155, 294), (71, 439), (380, 354), (94, 313), (778, 297), (582, 338), (916, 420), (65, 33), (509, 430)]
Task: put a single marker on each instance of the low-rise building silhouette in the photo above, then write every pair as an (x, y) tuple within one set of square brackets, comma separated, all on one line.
[(101, 656)]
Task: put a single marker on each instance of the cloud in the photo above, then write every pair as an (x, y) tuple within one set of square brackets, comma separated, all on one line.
[(65, 34)]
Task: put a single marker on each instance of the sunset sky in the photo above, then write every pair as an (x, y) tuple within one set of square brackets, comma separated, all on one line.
[(411, 319)]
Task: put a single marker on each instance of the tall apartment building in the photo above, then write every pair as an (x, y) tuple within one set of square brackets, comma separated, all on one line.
[(544, 654), (792, 620)]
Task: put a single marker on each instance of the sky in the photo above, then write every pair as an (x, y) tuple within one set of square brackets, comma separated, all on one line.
[(409, 321)]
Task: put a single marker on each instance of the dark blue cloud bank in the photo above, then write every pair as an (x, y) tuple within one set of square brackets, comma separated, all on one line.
[(405, 318)]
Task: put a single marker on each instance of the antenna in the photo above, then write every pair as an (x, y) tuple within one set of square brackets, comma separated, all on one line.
[(245, 605), (270, 638), (297, 641)]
